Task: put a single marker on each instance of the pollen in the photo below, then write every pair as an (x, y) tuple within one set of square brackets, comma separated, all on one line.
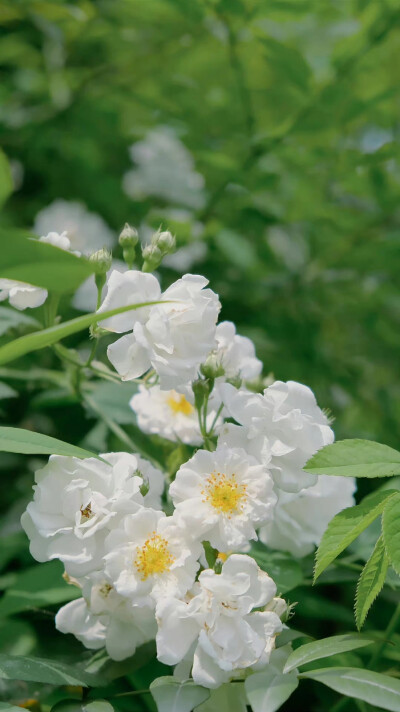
[(224, 493), (179, 404), (154, 557), (86, 512)]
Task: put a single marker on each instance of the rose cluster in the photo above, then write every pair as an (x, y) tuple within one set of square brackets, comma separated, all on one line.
[(187, 579)]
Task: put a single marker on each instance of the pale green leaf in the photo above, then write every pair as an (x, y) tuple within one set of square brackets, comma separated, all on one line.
[(9, 708), (47, 337), (391, 531), (170, 695), (324, 648), (346, 526), (28, 260), (81, 706), (371, 581), (27, 442), (355, 458), (39, 586), (267, 691), (15, 667), (378, 690), (6, 391), (226, 698)]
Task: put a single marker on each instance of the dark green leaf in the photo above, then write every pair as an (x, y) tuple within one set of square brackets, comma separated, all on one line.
[(15, 667), (391, 531), (39, 586), (283, 569)]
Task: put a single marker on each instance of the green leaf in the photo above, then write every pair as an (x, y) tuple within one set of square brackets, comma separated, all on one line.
[(355, 458), (26, 259), (114, 399), (15, 667), (283, 569), (6, 181), (378, 690), (346, 526), (27, 442), (81, 706), (39, 586), (371, 581), (226, 698), (325, 648), (102, 669), (6, 391), (267, 691), (9, 708), (170, 695), (12, 319), (391, 531), (47, 337)]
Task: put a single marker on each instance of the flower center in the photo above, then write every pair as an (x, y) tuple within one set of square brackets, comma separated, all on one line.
[(154, 557), (224, 493), (86, 512), (179, 404)]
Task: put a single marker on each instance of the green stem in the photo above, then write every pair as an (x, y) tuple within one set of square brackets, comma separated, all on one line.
[(129, 694), (114, 427), (388, 634)]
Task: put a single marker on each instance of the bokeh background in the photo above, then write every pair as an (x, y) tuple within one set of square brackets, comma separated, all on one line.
[(264, 134)]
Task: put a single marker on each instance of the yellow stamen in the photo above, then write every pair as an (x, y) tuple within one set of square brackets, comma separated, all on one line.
[(179, 404), (154, 557), (222, 556), (224, 493), (87, 511)]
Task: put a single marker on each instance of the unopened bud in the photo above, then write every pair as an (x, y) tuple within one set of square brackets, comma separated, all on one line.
[(212, 367), (165, 241), (152, 257), (235, 381), (129, 236), (201, 389), (128, 240), (102, 260)]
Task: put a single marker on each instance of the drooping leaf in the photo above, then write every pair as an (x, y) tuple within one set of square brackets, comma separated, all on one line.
[(324, 648), (170, 695), (26, 259), (355, 458), (27, 442), (82, 706), (371, 581), (39, 586), (380, 691), (283, 569), (267, 691), (16, 667), (346, 526), (391, 531), (47, 337)]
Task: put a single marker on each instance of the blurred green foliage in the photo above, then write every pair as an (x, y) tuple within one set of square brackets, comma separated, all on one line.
[(286, 198)]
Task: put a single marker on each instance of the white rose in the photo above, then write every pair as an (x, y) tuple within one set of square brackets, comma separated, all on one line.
[(301, 519), (221, 496), (174, 337), (172, 415), (76, 502), (236, 353), (86, 231), (283, 428), (217, 622), (102, 618), (149, 556)]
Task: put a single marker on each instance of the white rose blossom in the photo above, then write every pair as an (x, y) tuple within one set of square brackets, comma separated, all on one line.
[(216, 623), (102, 618), (222, 496), (25, 296), (87, 232), (75, 504), (282, 428), (174, 337), (149, 556), (172, 414), (300, 519), (236, 354)]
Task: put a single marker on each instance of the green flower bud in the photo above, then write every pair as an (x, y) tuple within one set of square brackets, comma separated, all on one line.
[(102, 260), (152, 257), (201, 389), (128, 240), (129, 236), (212, 368), (165, 241)]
